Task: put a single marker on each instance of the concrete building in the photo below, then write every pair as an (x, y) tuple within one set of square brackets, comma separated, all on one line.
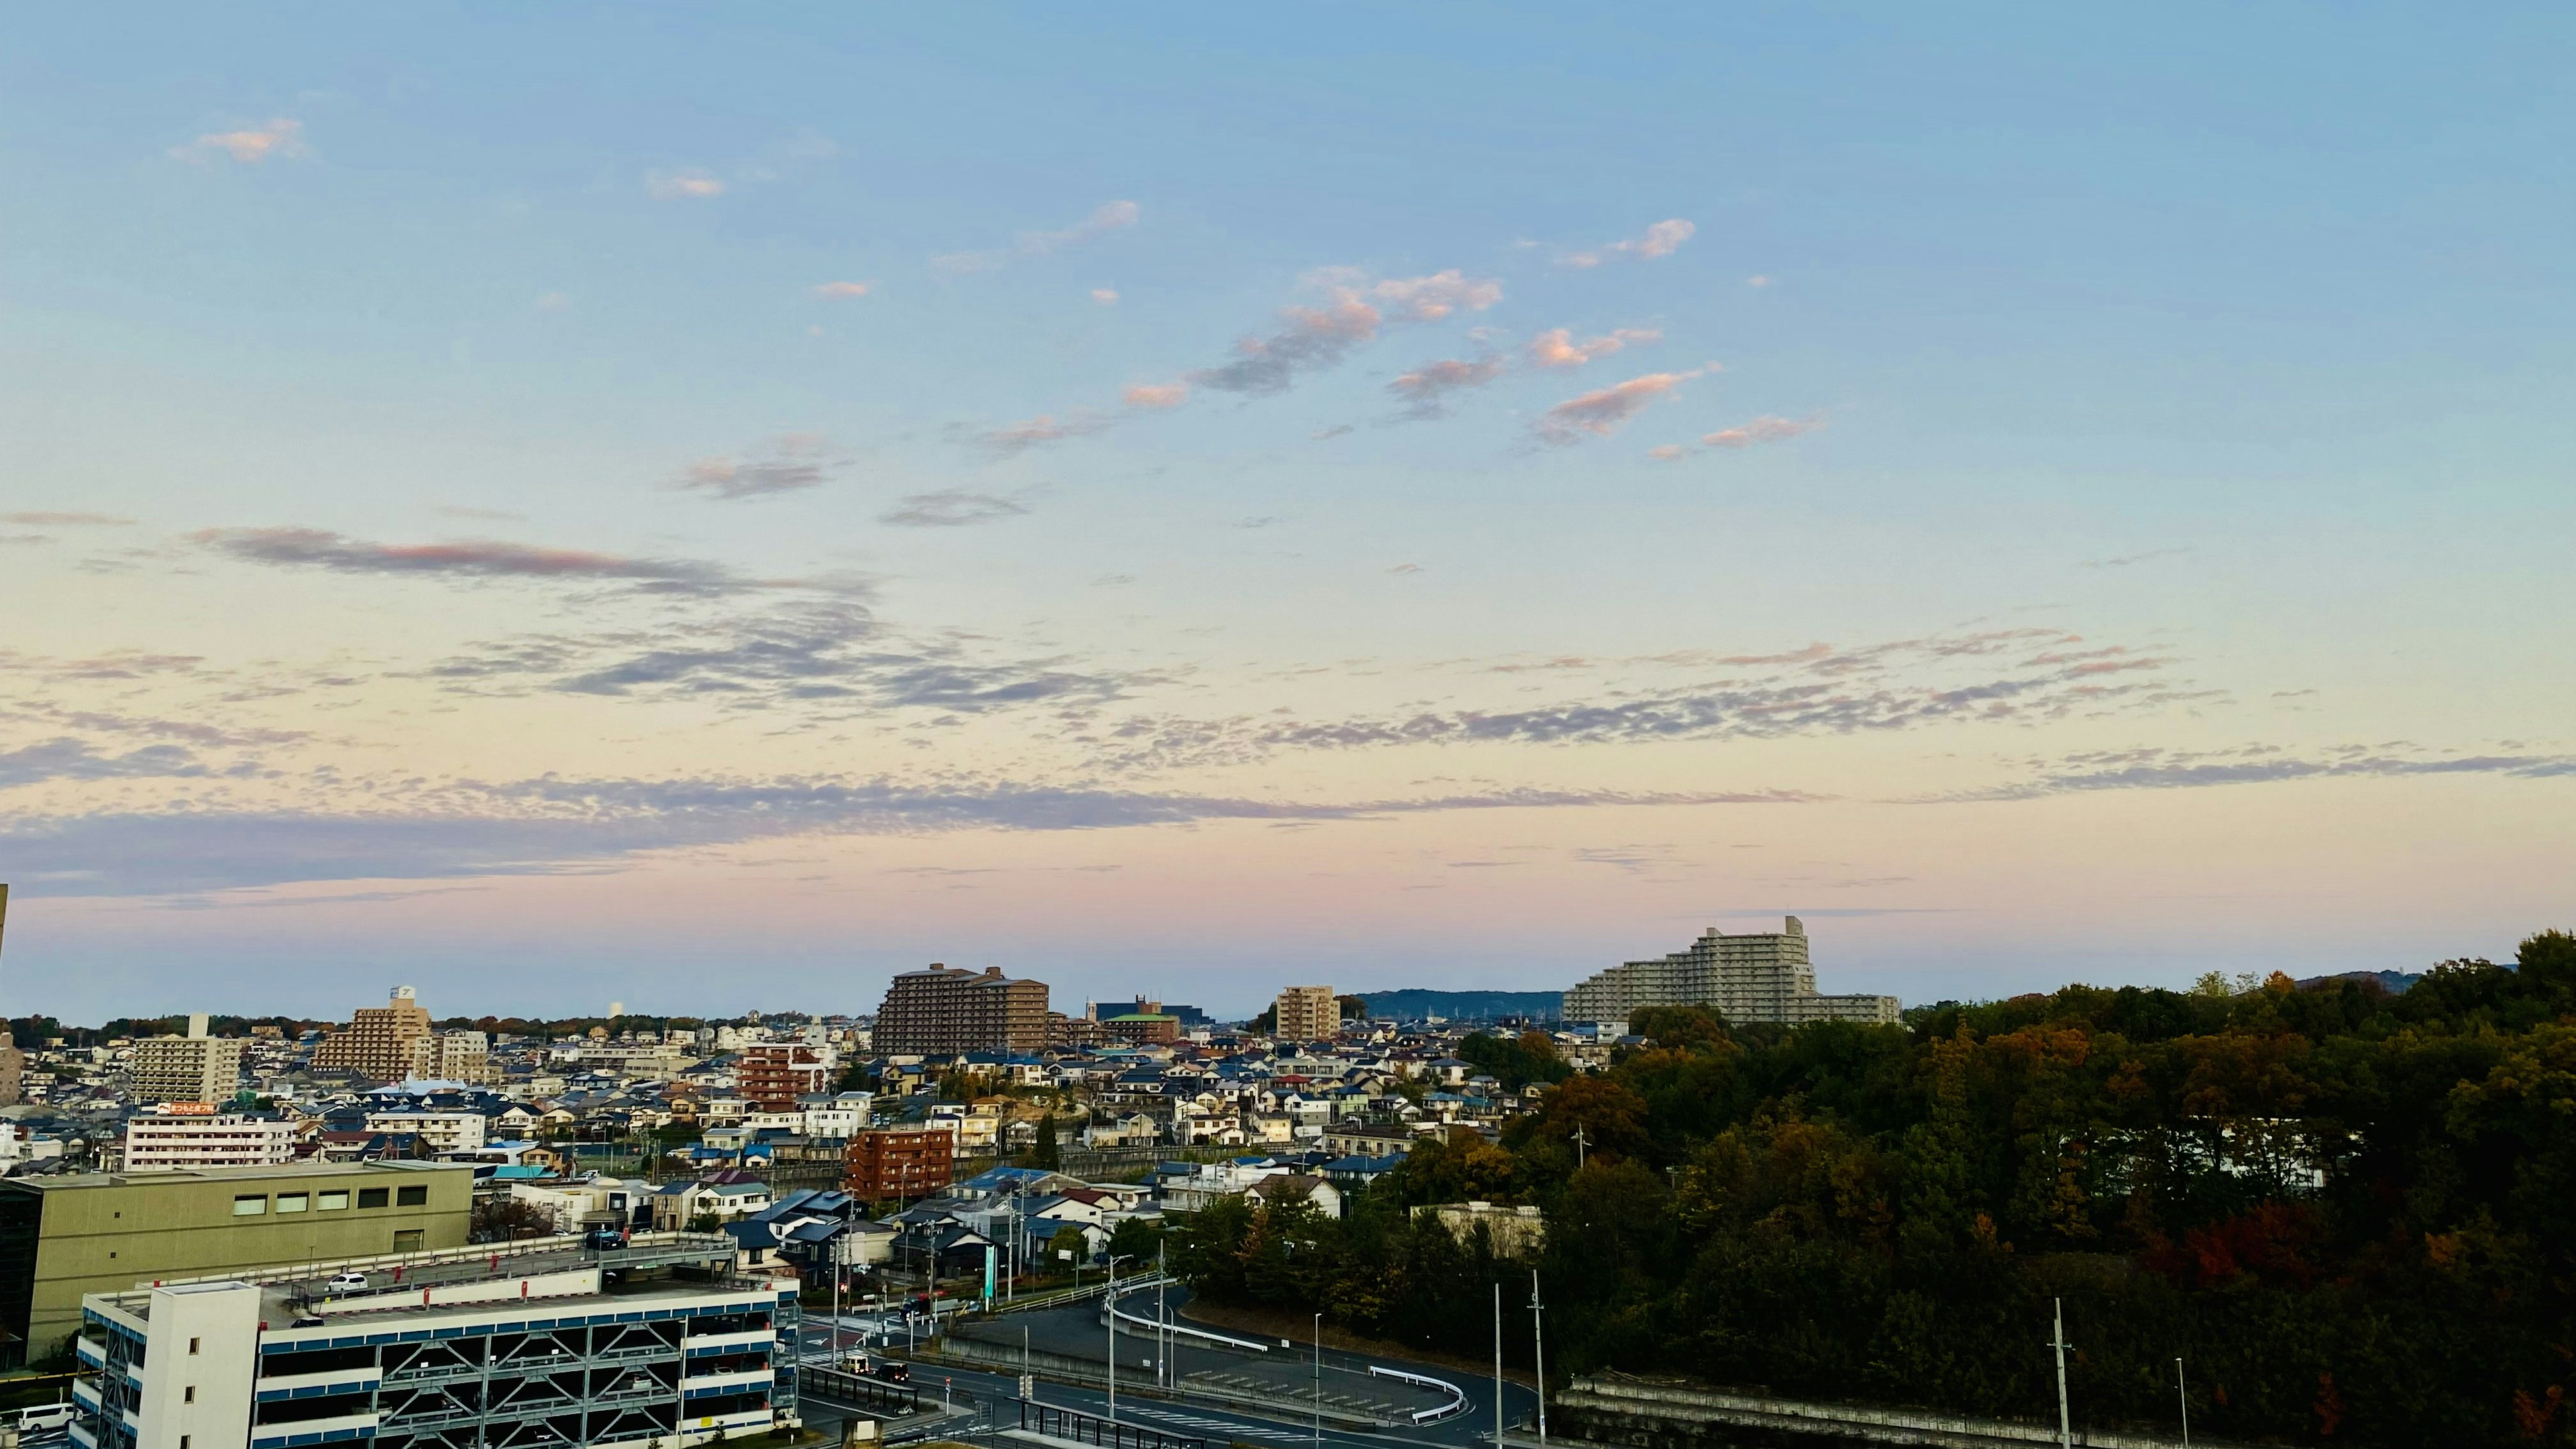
[(61, 1237), (1753, 977), (1308, 1013), (379, 1042), (1142, 1028), (191, 1068), (507, 1351), (898, 1162), (772, 1077), (946, 1010), (438, 1131), (191, 1134)]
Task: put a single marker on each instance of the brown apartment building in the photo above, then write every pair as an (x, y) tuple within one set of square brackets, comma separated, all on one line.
[(943, 1009), (772, 1076), (395, 1041), (898, 1162)]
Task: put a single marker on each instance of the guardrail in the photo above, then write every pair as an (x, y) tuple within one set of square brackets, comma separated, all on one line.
[(1168, 1327), (1457, 1396), (1085, 1428), (901, 1400)]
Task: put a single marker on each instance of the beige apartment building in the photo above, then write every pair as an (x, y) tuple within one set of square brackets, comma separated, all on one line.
[(1762, 976), (188, 1134), (396, 1042), (1308, 1013), (192, 1068)]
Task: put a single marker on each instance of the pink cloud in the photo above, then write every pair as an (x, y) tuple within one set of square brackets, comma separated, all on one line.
[(1607, 410), (1317, 337), (1668, 452), (1765, 429), (280, 137), (1156, 395), (1015, 438), (1428, 299), (842, 289), (1104, 296), (1557, 348), (1660, 240), (682, 186), (1109, 217), (1428, 385)]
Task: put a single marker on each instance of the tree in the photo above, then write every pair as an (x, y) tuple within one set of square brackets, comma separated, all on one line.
[(1048, 1154), (507, 1219), (1070, 1246)]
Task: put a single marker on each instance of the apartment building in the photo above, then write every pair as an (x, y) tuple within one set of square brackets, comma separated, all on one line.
[(898, 1162), (499, 1350), (772, 1076), (1763, 976), (458, 1131), (62, 1237), (192, 1068), (191, 1134), (942, 1009), (396, 1042), (1308, 1013)]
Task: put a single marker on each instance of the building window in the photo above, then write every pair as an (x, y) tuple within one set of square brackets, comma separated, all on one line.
[(292, 1202), (332, 1202), (411, 1196), (407, 1240), (249, 1207), (188, 1395), (192, 1347), (374, 1197)]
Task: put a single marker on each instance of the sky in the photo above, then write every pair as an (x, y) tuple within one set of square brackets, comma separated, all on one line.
[(707, 506)]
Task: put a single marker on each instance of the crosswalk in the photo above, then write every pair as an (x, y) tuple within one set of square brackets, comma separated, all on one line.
[(1227, 1428)]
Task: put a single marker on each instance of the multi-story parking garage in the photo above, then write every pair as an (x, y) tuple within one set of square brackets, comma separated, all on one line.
[(550, 1345)]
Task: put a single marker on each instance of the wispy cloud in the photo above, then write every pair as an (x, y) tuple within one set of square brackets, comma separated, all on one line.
[(682, 185), (1353, 308), (2126, 560), (471, 559), (1764, 429), (1105, 296), (1012, 439), (793, 462), (1557, 348), (1156, 395), (1427, 388), (2155, 769), (1108, 217), (249, 146), (842, 289), (1607, 410), (66, 758), (952, 508), (1660, 240), (555, 826), (47, 519)]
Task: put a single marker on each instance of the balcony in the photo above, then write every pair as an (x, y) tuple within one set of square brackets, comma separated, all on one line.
[(85, 1394), (748, 1338), (90, 1351), (341, 1381), (739, 1379)]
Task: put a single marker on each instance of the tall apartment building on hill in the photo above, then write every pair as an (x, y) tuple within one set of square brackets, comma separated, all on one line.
[(943, 1009), (395, 1042), (1307, 1013), (1753, 977)]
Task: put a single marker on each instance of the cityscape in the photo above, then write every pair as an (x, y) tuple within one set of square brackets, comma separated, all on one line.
[(1514, 726)]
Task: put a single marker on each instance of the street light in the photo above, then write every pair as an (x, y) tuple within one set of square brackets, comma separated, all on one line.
[(1319, 1380), (1114, 1260)]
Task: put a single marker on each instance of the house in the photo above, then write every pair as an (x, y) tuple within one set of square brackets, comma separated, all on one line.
[(1290, 1187), (723, 1196)]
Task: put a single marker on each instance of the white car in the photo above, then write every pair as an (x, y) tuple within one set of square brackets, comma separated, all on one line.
[(40, 1417), (346, 1282)]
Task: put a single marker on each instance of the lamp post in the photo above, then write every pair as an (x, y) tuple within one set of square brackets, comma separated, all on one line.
[(1538, 1353), (2057, 1341), (2183, 1395), (1319, 1381), (1114, 1260)]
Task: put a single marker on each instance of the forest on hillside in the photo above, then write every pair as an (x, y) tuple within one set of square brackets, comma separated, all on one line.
[(2352, 1215)]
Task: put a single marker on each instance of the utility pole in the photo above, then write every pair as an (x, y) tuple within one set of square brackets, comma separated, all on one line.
[(2057, 1341), (1162, 1320), (2184, 1395), (1113, 1334), (1579, 1141), (1498, 1364), (1538, 1353)]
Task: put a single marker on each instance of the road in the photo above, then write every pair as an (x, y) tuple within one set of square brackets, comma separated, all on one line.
[(1289, 1374)]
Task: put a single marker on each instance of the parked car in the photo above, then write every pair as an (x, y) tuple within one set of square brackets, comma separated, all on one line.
[(346, 1282), (37, 1418)]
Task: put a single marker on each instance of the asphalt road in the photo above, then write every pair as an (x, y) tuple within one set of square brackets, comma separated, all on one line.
[(1077, 1331)]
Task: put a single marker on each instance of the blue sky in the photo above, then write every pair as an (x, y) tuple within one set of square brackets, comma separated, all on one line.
[(635, 502)]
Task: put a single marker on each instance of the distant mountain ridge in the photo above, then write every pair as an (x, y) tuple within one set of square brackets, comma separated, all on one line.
[(1463, 1005), (2396, 982)]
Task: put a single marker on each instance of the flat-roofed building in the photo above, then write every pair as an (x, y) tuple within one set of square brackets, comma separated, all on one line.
[(1762, 976), (191, 1134), (61, 1237), (192, 1068), (528, 1345), (943, 1009), (884, 1163), (1307, 1013)]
